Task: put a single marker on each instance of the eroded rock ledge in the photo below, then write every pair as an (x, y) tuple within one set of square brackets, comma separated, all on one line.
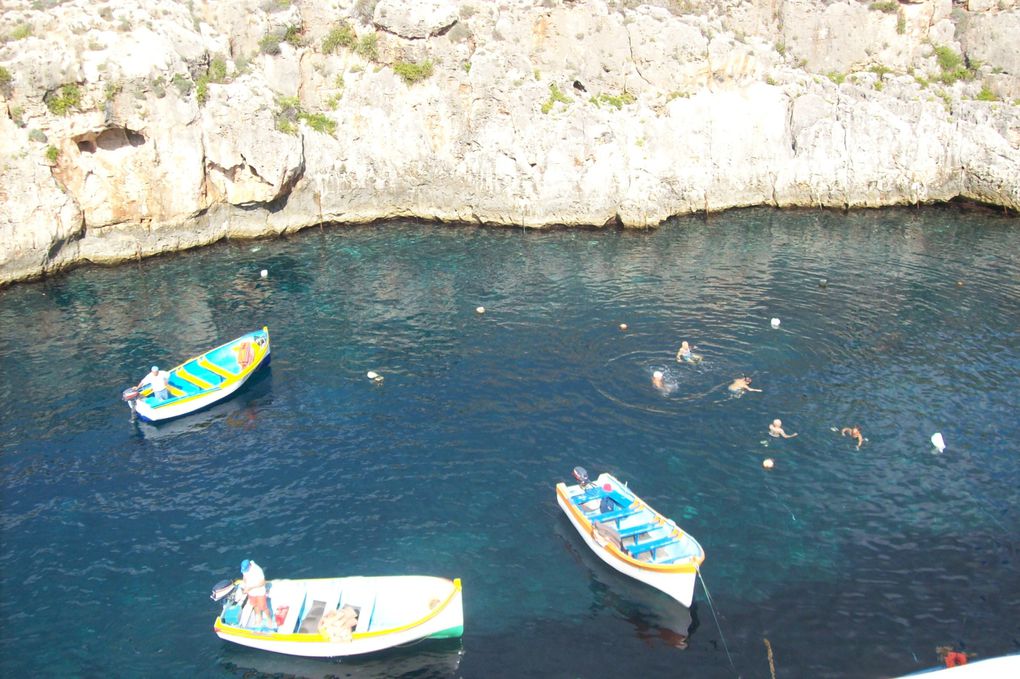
[(134, 127)]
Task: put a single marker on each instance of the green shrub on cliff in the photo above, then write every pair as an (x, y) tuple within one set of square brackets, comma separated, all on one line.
[(52, 154), (368, 47), (216, 73), (948, 59), (319, 122), (290, 114), (342, 35), (270, 43), (5, 78), (68, 98), (887, 6), (986, 94), (182, 83), (952, 65), (21, 31), (555, 95), (616, 102), (413, 72)]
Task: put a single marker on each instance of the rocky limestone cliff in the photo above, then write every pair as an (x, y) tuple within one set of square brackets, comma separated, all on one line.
[(133, 127)]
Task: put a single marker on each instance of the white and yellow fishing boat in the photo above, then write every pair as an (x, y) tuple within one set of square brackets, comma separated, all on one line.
[(203, 380), (343, 616), (630, 536)]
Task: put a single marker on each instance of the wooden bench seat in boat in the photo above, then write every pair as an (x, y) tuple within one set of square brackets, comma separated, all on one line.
[(615, 514), (181, 386), (317, 603), (642, 547), (365, 616), (194, 370), (631, 531), (587, 496)]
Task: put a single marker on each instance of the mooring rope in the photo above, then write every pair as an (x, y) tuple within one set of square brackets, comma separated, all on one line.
[(772, 660), (711, 607)]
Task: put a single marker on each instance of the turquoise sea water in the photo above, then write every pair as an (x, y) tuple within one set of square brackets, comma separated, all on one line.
[(851, 563)]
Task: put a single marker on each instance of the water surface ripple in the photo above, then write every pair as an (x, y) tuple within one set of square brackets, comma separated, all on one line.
[(852, 563)]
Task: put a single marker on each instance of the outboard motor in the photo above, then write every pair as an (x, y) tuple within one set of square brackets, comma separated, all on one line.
[(130, 396), (221, 589), (581, 474)]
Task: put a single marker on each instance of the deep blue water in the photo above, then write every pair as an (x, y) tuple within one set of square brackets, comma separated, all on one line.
[(851, 564)]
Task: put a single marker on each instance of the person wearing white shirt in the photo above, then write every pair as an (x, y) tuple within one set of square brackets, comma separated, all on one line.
[(157, 379), (253, 583)]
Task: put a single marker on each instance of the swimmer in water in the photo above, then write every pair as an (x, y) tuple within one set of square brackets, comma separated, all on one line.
[(776, 430), (854, 433), (685, 355), (740, 385), (657, 380)]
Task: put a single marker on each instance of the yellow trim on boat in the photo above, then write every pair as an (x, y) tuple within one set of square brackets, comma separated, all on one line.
[(220, 626), (690, 566), (431, 614), (213, 368)]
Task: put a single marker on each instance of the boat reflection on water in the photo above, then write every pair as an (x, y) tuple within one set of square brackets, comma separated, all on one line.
[(240, 410), (654, 615), (439, 658)]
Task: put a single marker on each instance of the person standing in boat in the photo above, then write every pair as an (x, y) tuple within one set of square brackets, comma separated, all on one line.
[(776, 430), (253, 583), (157, 379)]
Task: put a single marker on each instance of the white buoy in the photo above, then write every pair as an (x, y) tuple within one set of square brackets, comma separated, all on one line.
[(775, 322), (938, 442), (480, 310), (623, 326), (264, 273), (768, 463), (374, 376)]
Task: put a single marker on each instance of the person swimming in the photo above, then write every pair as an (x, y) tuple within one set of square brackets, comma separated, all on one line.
[(776, 430), (658, 380), (740, 385), (854, 433), (685, 355)]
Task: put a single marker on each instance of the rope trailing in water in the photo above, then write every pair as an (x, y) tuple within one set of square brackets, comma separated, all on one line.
[(717, 625), (772, 660)]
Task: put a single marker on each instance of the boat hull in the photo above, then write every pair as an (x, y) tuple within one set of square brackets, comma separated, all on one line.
[(224, 376), (444, 621), (677, 581)]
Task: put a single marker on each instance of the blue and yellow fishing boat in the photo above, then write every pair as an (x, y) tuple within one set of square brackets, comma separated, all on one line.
[(203, 380), (630, 536)]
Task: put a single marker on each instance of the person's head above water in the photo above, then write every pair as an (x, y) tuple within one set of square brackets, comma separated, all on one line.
[(657, 375)]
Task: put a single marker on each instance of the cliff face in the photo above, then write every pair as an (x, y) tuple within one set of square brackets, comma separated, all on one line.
[(133, 127)]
